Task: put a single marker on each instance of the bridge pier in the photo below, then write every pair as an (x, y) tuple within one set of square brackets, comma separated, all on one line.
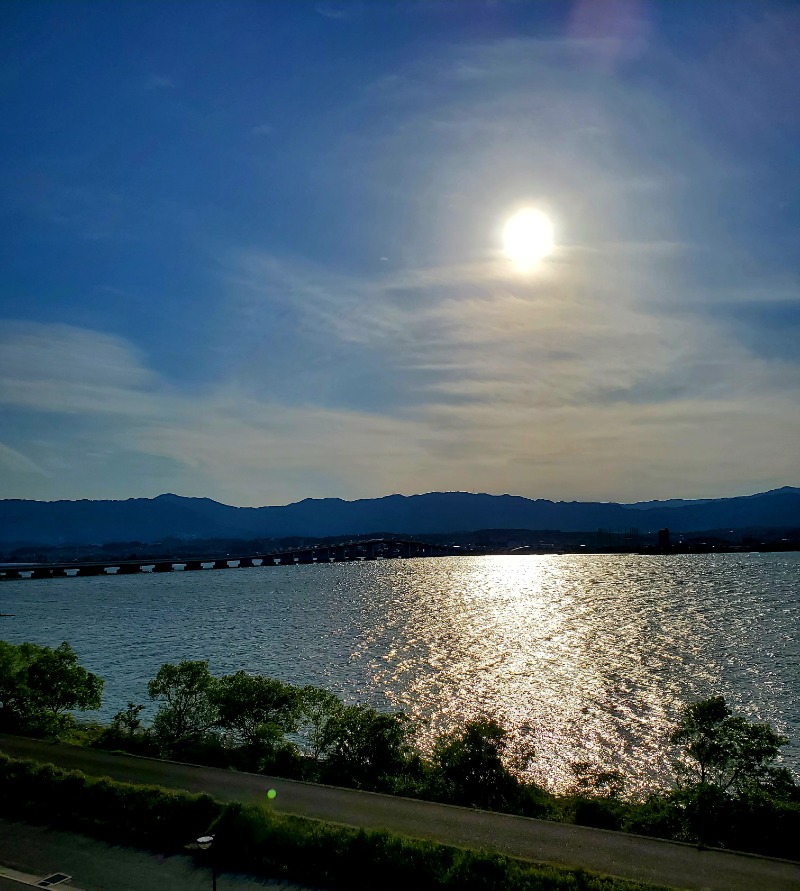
[(350, 551)]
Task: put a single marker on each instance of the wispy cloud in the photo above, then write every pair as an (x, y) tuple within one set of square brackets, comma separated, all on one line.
[(92, 213), (159, 82), (529, 418), (16, 463), (64, 369), (340, 11)]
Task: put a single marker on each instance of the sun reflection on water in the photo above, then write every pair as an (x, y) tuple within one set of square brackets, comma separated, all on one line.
[(584, 658), (584, 661)]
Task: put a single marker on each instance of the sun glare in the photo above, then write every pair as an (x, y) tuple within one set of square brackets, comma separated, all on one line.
[(527, 238)]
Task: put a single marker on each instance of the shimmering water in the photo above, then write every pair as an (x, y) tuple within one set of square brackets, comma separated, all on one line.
[(584, 657)]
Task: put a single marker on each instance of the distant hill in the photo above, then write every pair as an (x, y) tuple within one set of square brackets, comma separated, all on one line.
[(153, 519)]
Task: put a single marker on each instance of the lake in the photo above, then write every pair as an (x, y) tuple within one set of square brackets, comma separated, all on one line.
[(584, 657)]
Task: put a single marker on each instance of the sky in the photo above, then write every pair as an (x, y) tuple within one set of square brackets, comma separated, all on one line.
[(253, 251)]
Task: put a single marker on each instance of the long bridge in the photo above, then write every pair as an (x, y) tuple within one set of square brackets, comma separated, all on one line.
[(348, 551)]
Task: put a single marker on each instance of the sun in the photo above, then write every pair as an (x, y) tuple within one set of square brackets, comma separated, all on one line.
[(527, 238)]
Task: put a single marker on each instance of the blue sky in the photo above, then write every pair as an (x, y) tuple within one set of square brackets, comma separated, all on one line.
[(253, 250)]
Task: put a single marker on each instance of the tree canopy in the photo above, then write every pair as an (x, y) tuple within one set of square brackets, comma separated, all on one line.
[(254, 707), (724, 750), (316, 707), (470, 763), (40, 686), (187, 711), (363, 746)]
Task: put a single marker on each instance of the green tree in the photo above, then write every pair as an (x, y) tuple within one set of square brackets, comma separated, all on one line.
[(257, 709), (364, 747), (128, 722), (729, 789), (470, 768), (316, 707), (40, 686), (187, 712), (723, 750), (14, 702)]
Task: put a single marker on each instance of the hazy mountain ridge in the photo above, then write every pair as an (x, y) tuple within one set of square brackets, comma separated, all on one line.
[(152, 519)]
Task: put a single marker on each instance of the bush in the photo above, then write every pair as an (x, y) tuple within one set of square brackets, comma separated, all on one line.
[(134, 744), (757, 822), (365, 748), (468, 767), (117, 812), (251, 838), (657, 816), (602, 813)]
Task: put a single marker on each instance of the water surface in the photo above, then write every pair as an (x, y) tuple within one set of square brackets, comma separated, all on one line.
[(584, 657)]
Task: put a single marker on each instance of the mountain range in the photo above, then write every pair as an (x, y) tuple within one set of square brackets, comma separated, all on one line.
[(174, 516)]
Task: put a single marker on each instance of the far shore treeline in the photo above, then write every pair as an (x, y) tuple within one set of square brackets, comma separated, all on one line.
[(728, 790)]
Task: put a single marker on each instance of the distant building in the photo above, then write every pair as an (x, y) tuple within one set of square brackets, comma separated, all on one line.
[(663, 539)]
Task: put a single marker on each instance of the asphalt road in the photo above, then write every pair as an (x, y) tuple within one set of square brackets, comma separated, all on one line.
[(612, 853)]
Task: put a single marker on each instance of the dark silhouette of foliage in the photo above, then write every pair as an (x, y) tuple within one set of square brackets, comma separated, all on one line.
[(469, 765), (126, 733), (128, 722), (722, 749), (592, 780), (597, 796)]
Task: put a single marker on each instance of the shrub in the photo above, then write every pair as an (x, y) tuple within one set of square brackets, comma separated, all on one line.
[(602, 813), (364, 747), (251, 838), (469, 768)]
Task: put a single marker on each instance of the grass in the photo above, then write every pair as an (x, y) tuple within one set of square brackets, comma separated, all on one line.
[(254, 839)]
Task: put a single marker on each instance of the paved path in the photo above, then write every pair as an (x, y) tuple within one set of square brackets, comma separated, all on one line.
[(613, 853)]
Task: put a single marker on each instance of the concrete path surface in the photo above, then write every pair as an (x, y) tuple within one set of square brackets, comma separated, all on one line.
[(612, 853)]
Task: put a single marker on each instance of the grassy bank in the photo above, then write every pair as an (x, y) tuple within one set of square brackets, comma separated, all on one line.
[(253, 839), (729, 788)]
